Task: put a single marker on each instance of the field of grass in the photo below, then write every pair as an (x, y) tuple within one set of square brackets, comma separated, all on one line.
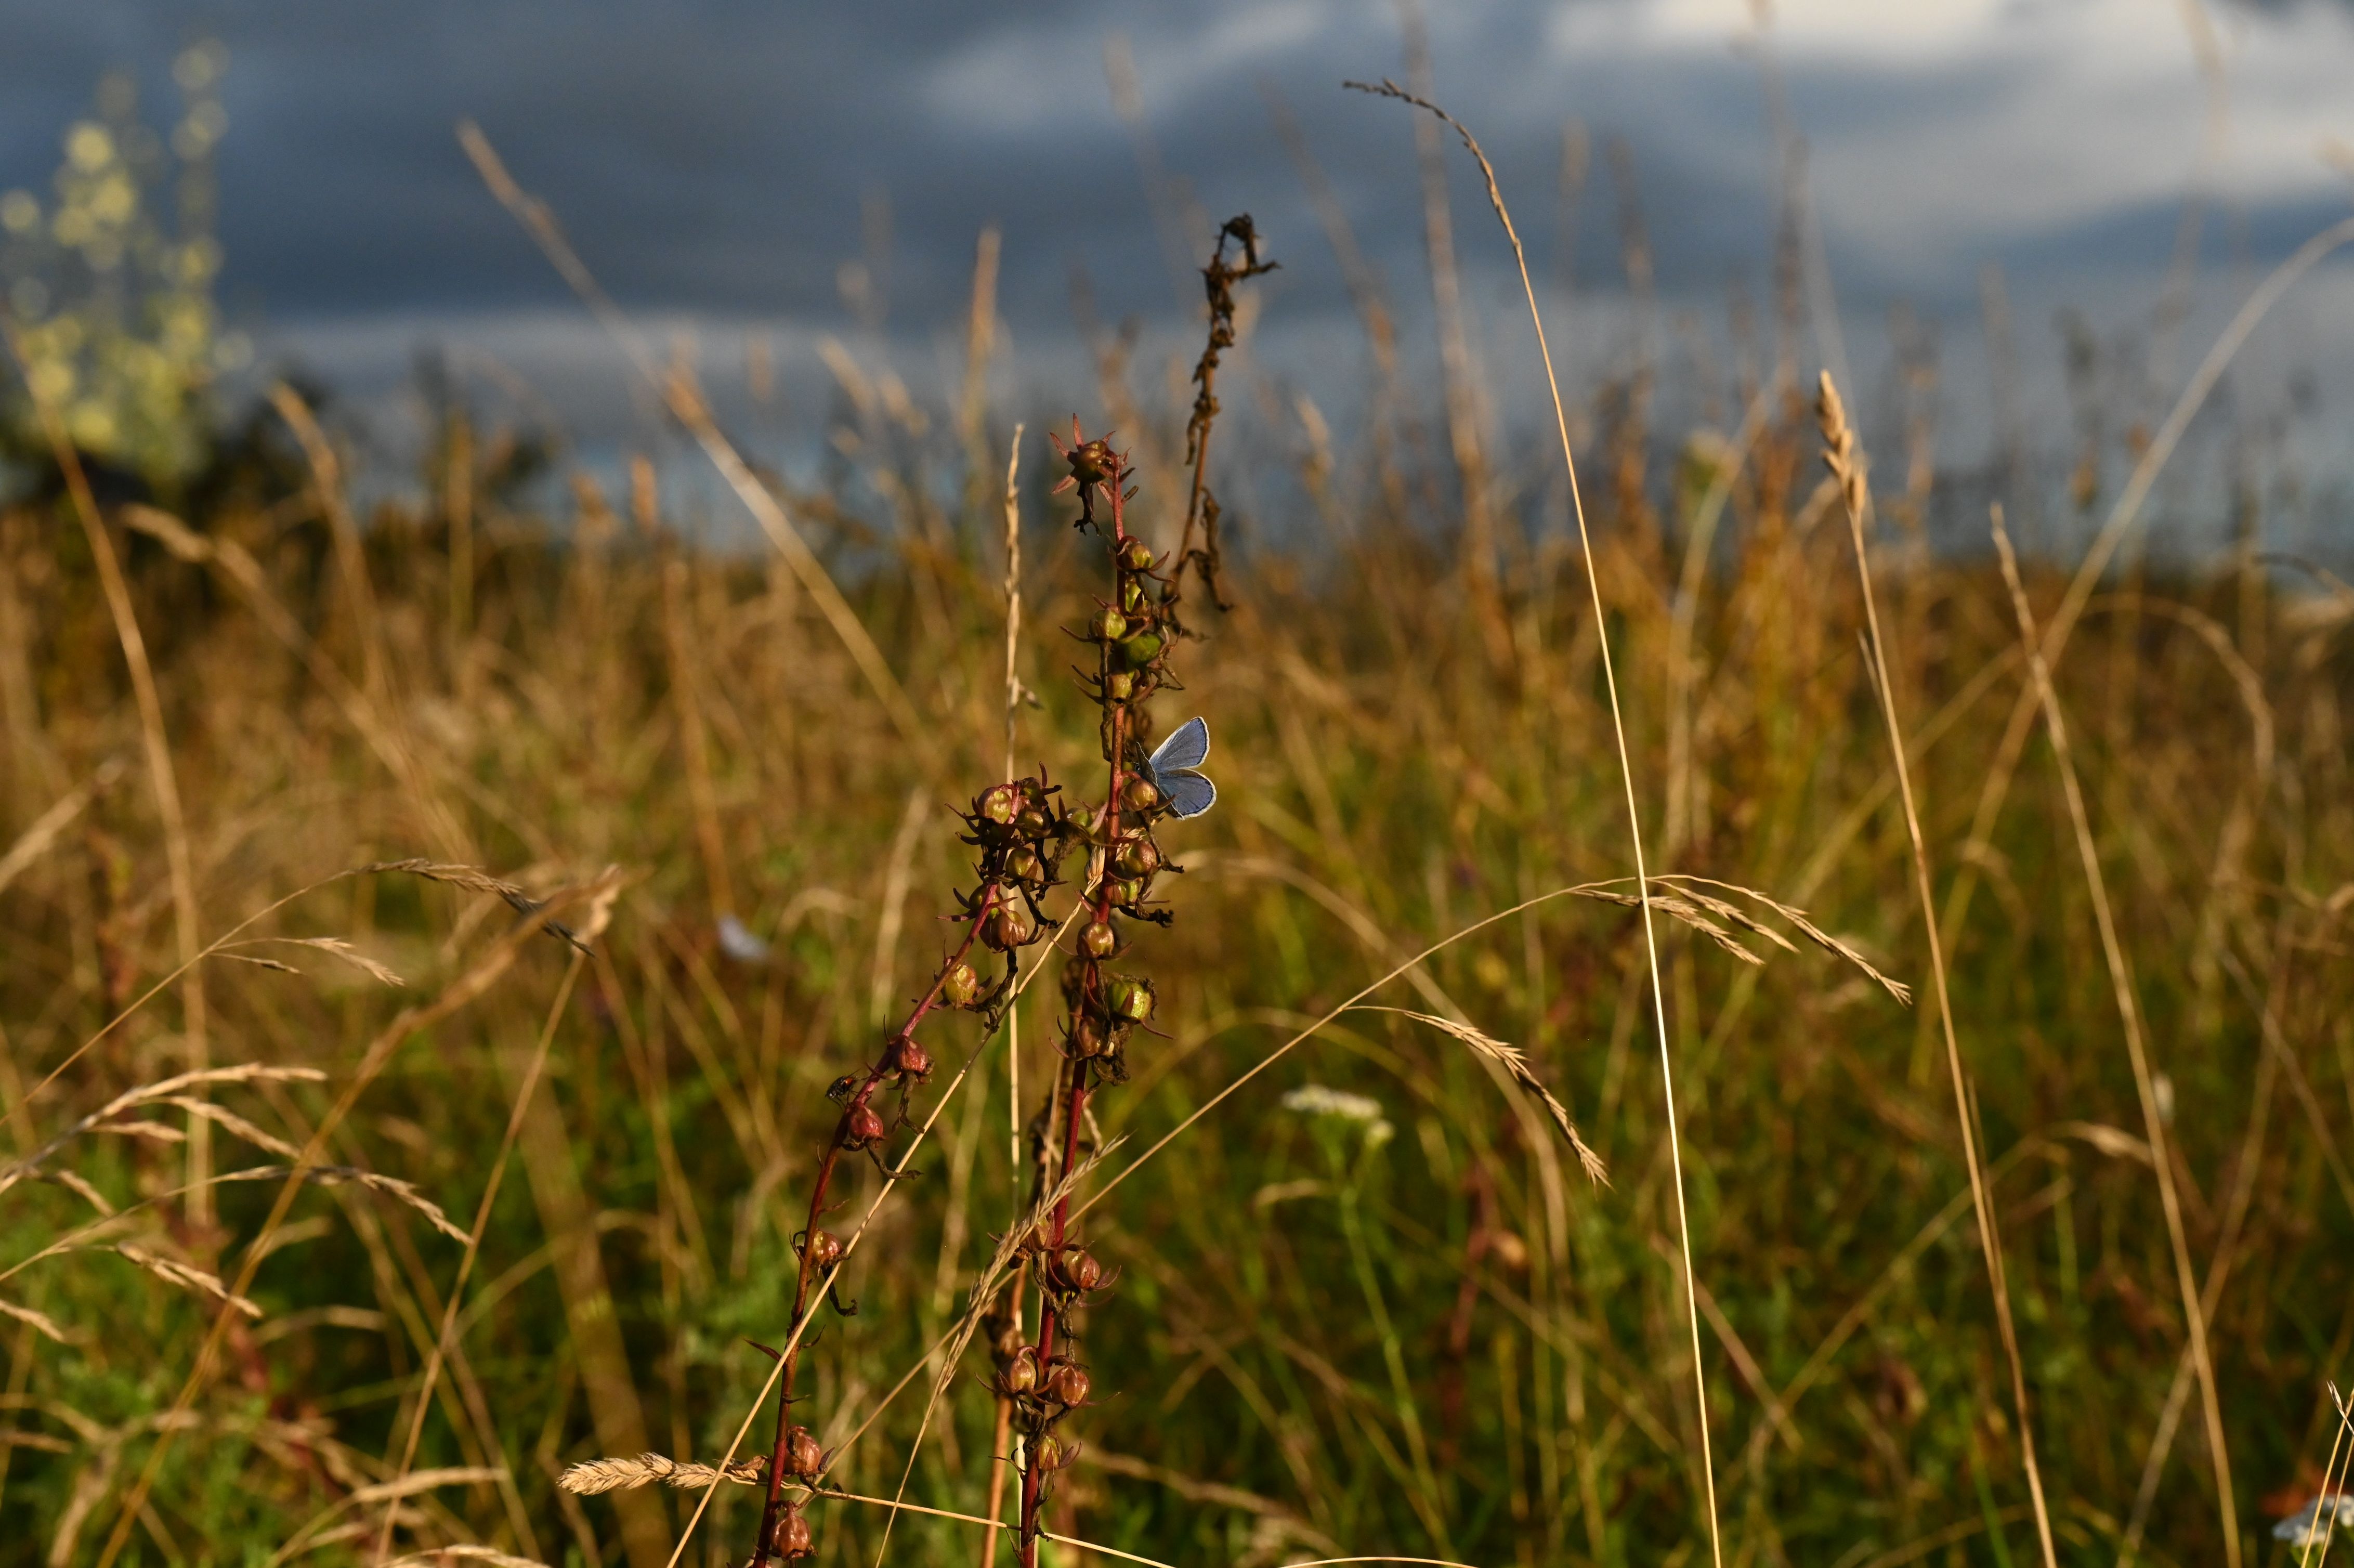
[(1391, 1318)]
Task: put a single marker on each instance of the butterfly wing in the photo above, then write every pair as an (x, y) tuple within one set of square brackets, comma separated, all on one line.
[(1188, 746), (1189, 793)]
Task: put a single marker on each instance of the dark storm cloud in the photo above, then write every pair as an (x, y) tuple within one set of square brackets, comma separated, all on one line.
[(712, 159)]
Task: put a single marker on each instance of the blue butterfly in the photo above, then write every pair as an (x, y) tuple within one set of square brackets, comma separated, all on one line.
[(1175, 769)]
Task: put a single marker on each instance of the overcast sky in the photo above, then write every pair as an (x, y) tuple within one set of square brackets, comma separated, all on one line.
[(718, 162)]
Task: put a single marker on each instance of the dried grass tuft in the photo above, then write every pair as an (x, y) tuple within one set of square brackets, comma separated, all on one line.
[(474, 879), (591, 1476), (1515, 1062)]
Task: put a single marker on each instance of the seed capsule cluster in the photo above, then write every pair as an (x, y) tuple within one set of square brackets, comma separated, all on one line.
[(1023, 836), (1133, 633)]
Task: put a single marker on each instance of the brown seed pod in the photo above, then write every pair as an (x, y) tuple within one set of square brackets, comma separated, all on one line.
[(1087, 1036), (1119, 685), (999, 803), (1069, 1385), (1007, 928), (1100, 940), (1126, 895), (1075, 1269), (1035, 822), (1047, 1454), (824, 1250), (864, 1127), (790, 1537), (912, 1060), (1139, 794), (803, 1459), (1021, 1372), (1137, 857), (1024, 864), (960, 986)]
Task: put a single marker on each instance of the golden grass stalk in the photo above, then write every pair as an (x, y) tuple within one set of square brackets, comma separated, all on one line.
[(2121, 985), (1846, 467), (1627, 778), (591, 1476)]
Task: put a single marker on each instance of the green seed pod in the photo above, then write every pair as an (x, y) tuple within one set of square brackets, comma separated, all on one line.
[(824, 1250), (1119, 685), (1135, 555), (1130, 998), (1024, 866), (1128, 893), (1141, 650), (1046, 1454), (1035, 822), (959, 987), (1100, 940), (998, 804), (1132, 595), (1137, 857), (1139, 795), (1108, 626)]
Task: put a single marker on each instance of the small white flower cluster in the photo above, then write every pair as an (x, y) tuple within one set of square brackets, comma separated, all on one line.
[(1315, 1099), (2310, 1524)]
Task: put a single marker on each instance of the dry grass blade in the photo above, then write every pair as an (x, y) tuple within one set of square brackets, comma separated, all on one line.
[(1513, 1060), (159, 1131), (75, 1182), (439, 1555), (426, 1481), (591, 1476), (173, 1272), (39, 1320), (35, 841)]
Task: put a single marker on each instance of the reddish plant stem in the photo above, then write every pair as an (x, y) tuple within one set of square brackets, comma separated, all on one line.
[(806, 1278), (1050, 1315)]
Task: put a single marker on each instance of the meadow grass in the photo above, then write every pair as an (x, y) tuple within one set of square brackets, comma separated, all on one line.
[(1390, 1316)]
